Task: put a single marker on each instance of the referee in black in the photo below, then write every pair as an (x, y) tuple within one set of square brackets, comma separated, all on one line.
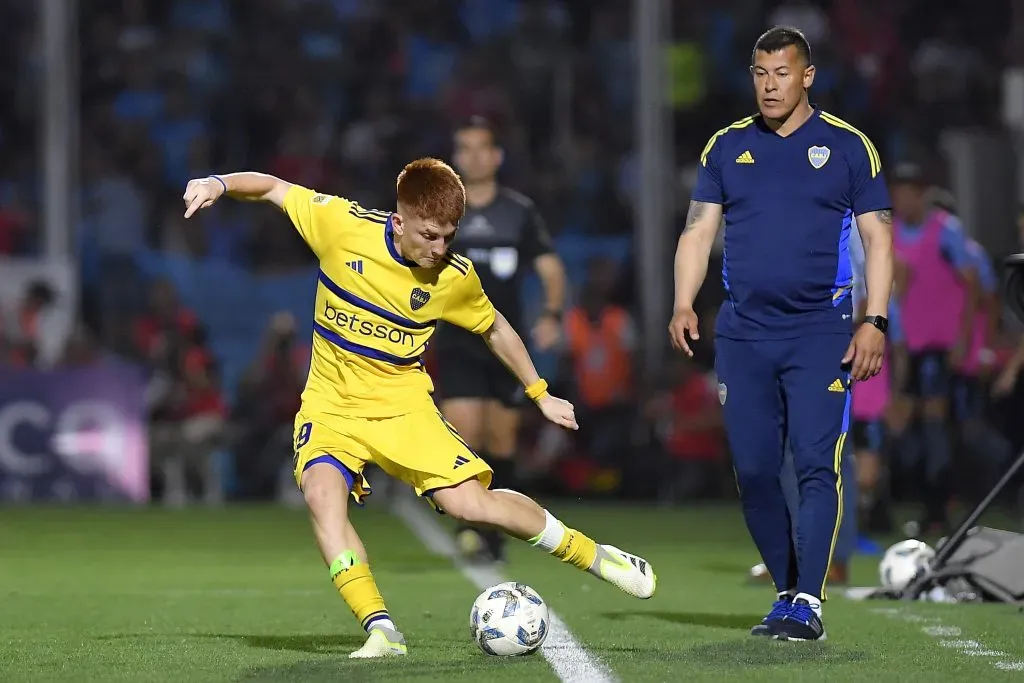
[(504, 235)]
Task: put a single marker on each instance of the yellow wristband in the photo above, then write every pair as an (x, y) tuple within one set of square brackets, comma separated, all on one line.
[(537, 390)]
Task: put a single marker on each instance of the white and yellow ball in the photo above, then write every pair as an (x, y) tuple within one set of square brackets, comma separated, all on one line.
[(509, 619), (902, 562)]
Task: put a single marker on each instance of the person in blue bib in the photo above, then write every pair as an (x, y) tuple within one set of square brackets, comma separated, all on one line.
[(789, 182)]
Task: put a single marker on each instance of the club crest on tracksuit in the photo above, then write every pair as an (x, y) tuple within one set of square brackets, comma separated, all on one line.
[(818, 156), (723, 392)]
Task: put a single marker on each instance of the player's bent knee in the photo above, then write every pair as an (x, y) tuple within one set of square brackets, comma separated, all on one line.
[(466, 502), (324, 486), (467, 509), (514, 493)]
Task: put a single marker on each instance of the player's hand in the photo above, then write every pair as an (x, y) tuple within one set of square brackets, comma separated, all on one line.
[(1005, 382), (865, 352), (546, 332), (684, 321), (559, 411), (201, 193)]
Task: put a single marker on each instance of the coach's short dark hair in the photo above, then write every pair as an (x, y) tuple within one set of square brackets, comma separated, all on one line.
[(480, 123), (779, 38)]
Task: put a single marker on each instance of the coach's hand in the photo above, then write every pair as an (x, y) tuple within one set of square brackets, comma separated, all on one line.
[(559, 411), (684, 321), (865, 352), (201, 193)]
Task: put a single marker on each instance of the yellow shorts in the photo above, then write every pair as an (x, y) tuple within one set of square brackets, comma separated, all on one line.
[(420, 448)]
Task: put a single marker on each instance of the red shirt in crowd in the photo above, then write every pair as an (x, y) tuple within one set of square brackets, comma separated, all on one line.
[(695, 400), (149, 331), (202, 394)]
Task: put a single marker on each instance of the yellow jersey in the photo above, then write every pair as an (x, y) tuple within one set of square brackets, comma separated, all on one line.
[(375, 311)]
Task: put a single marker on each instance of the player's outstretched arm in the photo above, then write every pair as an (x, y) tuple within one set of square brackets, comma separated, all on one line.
[(506, 344), (691, 267), (201, 193)]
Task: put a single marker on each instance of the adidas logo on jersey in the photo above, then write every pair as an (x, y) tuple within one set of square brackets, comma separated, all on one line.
[(460, 460), (355, 265), (837, 386), (745, 158)]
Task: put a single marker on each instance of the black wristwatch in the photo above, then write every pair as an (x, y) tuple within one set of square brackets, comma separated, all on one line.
[(880, 322)]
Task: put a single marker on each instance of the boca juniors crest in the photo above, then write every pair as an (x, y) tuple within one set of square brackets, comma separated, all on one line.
[(818, 156), (418, 299)]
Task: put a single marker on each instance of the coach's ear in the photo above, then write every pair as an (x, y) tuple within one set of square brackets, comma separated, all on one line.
[(808, 77)]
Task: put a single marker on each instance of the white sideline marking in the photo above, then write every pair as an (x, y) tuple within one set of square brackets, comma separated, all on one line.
[(966, 647), (566, 655), (942, 631)]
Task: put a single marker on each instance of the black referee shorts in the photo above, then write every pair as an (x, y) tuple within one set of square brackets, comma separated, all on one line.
[(969, 398), (468, 369), (868, 435), (930, 374)]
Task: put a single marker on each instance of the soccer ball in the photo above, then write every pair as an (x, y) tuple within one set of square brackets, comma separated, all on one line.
[(509, 619), (902, 562)]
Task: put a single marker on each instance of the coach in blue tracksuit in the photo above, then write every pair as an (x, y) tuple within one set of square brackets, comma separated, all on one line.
[(848, 539), (788, 182)]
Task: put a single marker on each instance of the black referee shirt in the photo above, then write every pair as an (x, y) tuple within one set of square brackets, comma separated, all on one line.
[(502, 239)]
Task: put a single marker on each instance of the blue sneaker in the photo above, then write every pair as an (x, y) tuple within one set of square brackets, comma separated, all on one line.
[(801, 622), (768, 625), (865, 546)]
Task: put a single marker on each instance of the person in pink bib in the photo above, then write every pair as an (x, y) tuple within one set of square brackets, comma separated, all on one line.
[(869, 407), (937, 289), (989, 450)]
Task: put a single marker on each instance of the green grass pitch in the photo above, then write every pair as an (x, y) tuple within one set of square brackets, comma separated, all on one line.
[(240, 595)]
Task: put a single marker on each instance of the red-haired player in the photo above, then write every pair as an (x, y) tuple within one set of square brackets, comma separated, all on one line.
[(386, 279)]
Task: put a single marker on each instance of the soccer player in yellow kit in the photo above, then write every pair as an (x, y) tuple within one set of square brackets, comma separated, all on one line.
[(385, 280)]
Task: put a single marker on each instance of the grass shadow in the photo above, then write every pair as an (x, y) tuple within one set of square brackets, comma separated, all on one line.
[(741, 570), (749, 653), (309, 643), (320, 643), (759, 652), (431, 665), (394, 669), (742, 622)]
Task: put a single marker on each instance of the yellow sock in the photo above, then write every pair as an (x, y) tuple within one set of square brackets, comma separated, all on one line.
[(577, 549), (355, 583), (566, 544)]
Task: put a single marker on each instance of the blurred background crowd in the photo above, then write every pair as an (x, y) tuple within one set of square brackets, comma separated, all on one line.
[(337, 95)]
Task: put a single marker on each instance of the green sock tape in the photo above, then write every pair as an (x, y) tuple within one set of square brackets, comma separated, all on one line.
[(342, 562)]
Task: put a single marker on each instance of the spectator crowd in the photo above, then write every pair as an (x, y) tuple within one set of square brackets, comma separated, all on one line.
[(338, 95)]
